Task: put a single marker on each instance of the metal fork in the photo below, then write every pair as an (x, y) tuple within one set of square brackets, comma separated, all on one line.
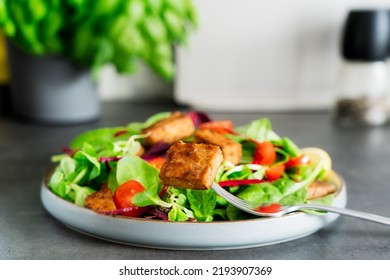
[(249, 208)]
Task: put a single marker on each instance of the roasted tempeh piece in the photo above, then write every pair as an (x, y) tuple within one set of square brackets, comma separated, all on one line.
[(319, 189), (231, 149), (176, 127), (101, 200), (191, 165)]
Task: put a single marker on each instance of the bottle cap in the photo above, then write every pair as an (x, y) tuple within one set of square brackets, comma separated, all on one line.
[(366, 35)]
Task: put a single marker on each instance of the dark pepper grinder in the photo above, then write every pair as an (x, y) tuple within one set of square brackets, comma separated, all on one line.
[(364, 84)]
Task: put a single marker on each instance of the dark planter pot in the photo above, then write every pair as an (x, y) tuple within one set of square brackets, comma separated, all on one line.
[(51, 89)]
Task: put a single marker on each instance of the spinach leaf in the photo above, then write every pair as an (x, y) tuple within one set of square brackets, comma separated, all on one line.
[(235, 214), (78, 193), (85, 160), (97, 137), (290, 147), (261, 194), (298, 197), (260, 130), (202, 203), (236, 172), (64, 181), (179, 211), (134, 168)]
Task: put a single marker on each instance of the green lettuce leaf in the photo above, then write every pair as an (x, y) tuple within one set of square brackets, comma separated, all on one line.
[(260, 130), (261, 194), (134, 168), (97, 137), (64, 181), (180, 207), (202, 203)]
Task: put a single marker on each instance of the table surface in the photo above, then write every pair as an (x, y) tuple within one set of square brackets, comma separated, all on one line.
[(27, 231)]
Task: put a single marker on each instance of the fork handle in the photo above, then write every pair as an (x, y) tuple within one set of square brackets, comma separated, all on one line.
[(347, 212)]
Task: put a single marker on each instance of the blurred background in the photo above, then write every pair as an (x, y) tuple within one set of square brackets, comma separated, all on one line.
[(251, 54), (267, 55), (248, 55)]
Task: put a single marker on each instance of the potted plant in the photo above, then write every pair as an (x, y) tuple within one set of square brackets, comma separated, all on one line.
[(55, 46)]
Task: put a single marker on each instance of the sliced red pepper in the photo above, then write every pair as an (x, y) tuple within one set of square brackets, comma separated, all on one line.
[(234, 183), (120, 132), (163, 191), (275, 172), (299, 160), (108, 159), (265, 153), (271, 208), (223, 126)]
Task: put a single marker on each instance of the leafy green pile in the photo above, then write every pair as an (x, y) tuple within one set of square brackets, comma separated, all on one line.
[(93, 33), (110, 156)]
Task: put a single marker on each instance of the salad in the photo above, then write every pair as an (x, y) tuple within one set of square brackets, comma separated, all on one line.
[(116, 170)]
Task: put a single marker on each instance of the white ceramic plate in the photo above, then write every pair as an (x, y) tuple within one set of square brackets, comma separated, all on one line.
[(191, 236)]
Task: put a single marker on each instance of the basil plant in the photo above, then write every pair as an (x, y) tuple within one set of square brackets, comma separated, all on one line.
[(93, 33)]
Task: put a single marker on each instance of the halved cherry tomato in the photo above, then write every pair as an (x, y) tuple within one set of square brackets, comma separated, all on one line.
[(275, 172), (223, 126), (157, 162), (271, 208), (123, 197), (265, 153), (299, 160)]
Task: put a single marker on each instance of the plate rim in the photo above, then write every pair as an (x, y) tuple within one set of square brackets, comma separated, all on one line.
[(48, 198)]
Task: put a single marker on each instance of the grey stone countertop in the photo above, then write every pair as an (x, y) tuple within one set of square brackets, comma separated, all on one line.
[(28, 231)]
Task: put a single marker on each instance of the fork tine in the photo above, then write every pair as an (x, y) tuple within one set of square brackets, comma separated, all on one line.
[(229, 197), (238, 202)]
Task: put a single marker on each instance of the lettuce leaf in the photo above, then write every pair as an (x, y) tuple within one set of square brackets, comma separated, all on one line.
[(64, 181), (132, 167), (260, 130), (202, 202), (261, 194), (180, 207), (97, 137)]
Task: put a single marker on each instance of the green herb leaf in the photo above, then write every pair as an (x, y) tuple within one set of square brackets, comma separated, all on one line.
[(134, 168), (260, 130), (202, 203), (261, 194)]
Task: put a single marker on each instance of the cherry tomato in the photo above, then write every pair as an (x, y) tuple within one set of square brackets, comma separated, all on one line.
[(265, 153), (223, 126), (157, 162), (275, 172), (123, 197), (271, 208), (299, 160)]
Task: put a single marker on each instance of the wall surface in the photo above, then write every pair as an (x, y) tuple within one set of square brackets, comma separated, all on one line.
[(265, 55), (145, 85), (251, 55)]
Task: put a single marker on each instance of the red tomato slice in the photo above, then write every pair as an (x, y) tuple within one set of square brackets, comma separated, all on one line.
[(224, 126), (123, 197), (299, 160), (157, 162), (265, 154), (275, 172), (271, 208)]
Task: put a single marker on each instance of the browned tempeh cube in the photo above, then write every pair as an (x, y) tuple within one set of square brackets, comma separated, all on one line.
[(191, 165), (176, 127), (319, 189), (101, 200), (231, 149)]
